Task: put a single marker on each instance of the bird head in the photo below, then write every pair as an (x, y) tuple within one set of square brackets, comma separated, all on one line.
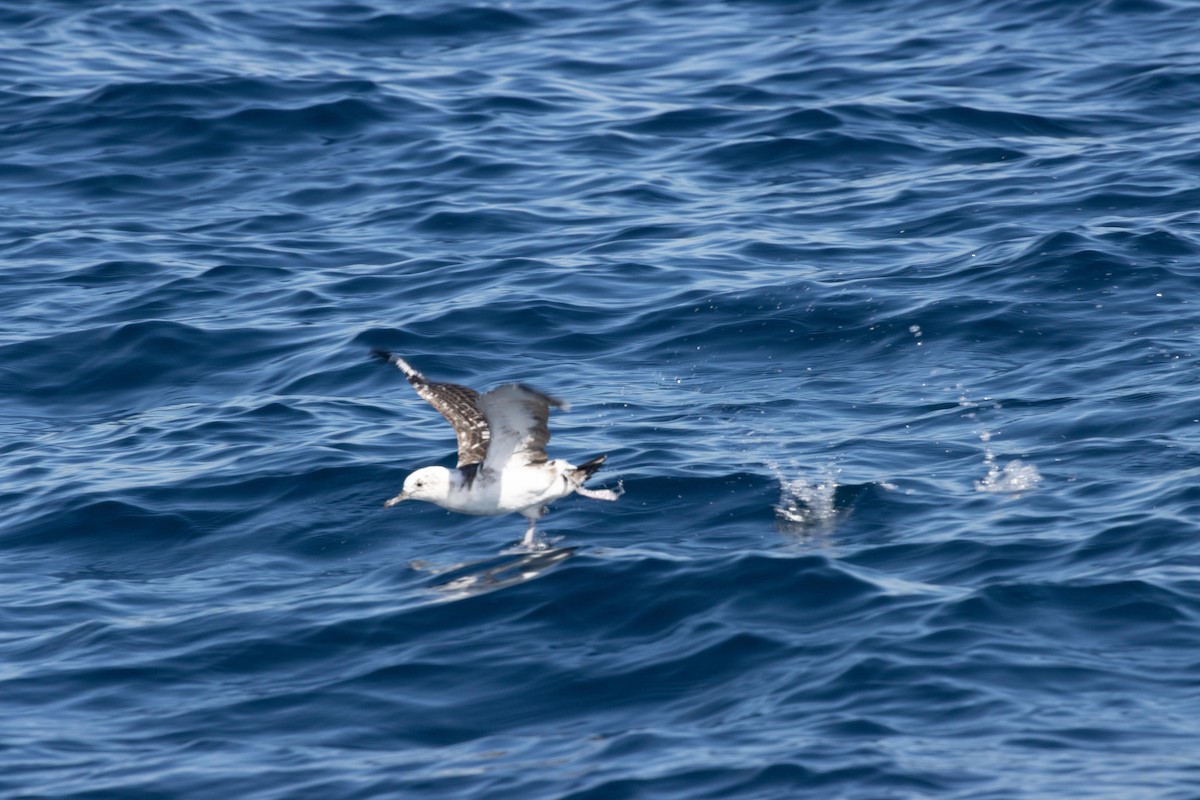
[(431, 484)]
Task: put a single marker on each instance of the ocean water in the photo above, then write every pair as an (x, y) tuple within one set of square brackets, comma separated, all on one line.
[(885, 314)]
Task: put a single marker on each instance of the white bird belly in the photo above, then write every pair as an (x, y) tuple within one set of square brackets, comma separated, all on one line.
[(514, 490), (524, 487)]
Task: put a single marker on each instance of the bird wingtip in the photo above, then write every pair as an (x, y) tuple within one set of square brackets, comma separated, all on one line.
[(549, 400), (391, 358)]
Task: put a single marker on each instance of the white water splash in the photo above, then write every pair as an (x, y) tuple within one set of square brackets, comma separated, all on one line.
[(1014, 477), (805, 506)]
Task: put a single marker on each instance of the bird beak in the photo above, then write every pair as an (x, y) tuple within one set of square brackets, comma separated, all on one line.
[(400, 498)]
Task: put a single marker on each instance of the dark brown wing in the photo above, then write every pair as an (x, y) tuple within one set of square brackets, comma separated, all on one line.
[(458, 404)]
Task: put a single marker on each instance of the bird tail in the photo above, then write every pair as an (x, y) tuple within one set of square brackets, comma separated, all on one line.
[(587, 469)]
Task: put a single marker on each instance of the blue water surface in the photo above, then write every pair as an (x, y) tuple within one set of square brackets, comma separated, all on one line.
[(885, 314)]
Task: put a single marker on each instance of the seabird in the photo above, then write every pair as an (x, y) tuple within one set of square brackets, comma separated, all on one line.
[(502, 463)]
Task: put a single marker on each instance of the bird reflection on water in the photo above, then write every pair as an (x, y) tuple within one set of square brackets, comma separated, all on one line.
[(470, 578)]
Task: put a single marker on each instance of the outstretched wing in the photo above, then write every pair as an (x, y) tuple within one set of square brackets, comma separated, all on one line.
[(517, 416), (458, 404)]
